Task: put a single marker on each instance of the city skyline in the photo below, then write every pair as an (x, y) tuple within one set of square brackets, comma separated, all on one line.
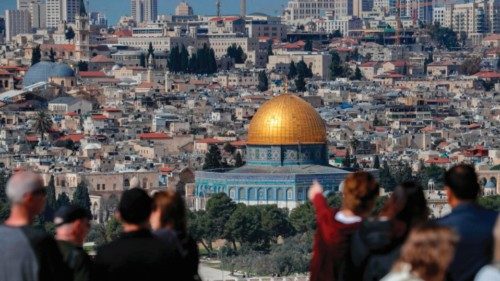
[(113, 9)]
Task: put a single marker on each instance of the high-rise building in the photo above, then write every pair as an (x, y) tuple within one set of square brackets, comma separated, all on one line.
[(23, 4), (183, 9), (38, 15), (144, 10), (473, 18), (16, 22), (305, 9), (58, 11)]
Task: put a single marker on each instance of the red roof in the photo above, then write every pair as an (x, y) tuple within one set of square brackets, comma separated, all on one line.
[(72, 114), (4, 72), (369, 64), (492, 37), (72, 137), (101, 59), (112, 110), (123, 33), (99, 117), (438, 160), (166, 169), (31, 138), (92, 74), (154, 136), (58, 47), (488, 74), (398, 63), (239, 143)]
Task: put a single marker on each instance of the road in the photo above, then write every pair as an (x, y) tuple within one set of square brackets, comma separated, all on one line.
[(211, 274)]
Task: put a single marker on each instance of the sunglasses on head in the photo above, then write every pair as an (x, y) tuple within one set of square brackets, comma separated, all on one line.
[(40, 191)]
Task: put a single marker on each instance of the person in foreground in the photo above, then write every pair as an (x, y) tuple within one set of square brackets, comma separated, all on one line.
[(473, 224), (136, 254), (335, 227), (425, 255), (168, 221), (27, 253), (492, 271), (377, 243), (72, 226)]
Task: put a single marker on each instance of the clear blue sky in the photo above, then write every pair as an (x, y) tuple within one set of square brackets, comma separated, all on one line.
[(115, 8)]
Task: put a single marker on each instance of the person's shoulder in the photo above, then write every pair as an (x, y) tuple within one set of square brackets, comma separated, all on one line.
[(488, 273), (37, 236)]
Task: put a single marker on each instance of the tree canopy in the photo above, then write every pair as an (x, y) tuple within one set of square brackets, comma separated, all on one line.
[(236, 53)]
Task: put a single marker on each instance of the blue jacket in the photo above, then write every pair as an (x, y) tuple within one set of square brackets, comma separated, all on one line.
[(474, 225)]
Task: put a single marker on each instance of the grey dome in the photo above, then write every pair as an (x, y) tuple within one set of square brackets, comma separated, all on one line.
[(42, 71)]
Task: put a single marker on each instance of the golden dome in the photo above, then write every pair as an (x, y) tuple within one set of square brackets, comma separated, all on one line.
[(286, 119)]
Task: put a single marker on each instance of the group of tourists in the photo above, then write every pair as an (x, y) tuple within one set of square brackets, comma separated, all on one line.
[(154, 244), (401, 243)]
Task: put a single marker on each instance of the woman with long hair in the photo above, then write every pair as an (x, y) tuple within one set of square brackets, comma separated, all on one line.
[(334, 227), (425, 255), (377, 243), (169, 223)]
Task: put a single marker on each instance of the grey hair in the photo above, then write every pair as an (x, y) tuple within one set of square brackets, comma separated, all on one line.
[(21, 184)]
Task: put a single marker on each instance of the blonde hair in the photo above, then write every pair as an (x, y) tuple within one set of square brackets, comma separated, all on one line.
[(360, 191), (429, 250)]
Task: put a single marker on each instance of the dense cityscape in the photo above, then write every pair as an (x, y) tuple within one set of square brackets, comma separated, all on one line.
[(258, 123)]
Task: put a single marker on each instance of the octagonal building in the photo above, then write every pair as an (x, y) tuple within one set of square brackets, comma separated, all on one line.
[(286, 150)]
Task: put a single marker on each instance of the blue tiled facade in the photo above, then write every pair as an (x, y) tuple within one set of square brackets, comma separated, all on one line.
[(259, 183)]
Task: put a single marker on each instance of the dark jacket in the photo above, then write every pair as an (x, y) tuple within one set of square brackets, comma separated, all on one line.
[(134, 256), (374, 248), (186, 253), (474, 225), (76, 259)]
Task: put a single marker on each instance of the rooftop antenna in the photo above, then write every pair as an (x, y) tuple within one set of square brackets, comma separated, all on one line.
[(218, 5)]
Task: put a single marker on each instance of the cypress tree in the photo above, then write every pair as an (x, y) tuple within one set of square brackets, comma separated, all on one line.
[(36, 56), (376, 162), (51, 194), (239, 160), (62, 200), (81, 196), (3, 185), (263, 81), (292, 72), (300, 83), (184, 59), (213, 159)]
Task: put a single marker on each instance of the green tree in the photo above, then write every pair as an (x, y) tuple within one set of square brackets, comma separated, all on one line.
[(386, 179), (173, 60), (376, 162), (471, 66), (36, 56), (292, 71), (490, 202), (402, 172), (239, 160), (236, 53), (300, 83), (347, 159), (229, 148), (303, 218), (337, 34), (304, 70), (432, 172), (270, 49), (3, 185), (337, 67), (443, 36), (357, 74), (113, 229), (52, 55), (62, 200), (43, 123), (51, 203), (199, 227), (83, 66), (275, 222), (81, 197), (4, 211), (142, 60), (244, 225), (263, 81), (308, 47), (184, 59), (69, 34), (151, 51), (213, 158), (219, 208)]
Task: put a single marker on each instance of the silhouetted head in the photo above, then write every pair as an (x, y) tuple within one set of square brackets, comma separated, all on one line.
[(462, 182), (135, 206)]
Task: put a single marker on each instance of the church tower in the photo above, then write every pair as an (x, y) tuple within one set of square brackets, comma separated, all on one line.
[(150, 75), (82, 34)]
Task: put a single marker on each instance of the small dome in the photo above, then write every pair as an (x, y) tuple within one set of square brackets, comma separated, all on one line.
[(42, 71), (286, 120)]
